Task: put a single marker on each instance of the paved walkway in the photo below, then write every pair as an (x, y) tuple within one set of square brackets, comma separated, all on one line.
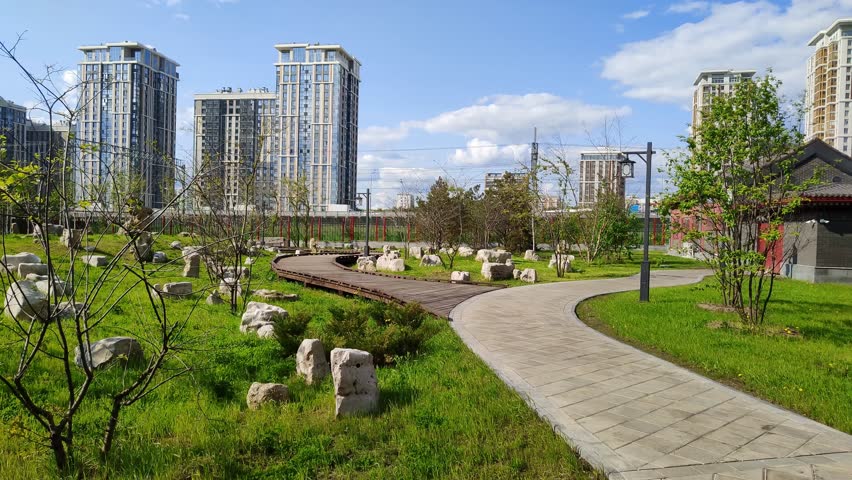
[(633, 415)]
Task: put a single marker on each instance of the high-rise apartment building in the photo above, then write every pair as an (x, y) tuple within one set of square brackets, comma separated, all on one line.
[(317, 90), (235, 138), (404, 201), (128, 111), (829, 86), (46, 141), (13, 126), (710, 83), (599, 169)]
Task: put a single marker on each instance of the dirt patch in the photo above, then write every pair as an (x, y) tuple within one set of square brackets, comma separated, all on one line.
[(715, 307)]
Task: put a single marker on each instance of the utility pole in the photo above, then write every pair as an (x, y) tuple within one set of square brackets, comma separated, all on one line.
[(533, 182), (367, 237)]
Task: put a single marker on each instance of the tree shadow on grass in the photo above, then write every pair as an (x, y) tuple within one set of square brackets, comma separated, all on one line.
[(838, 330)]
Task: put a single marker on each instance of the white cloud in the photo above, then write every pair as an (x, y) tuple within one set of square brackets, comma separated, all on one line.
[(381, 135), (636, 14), (688, 7), (182, 16), (742, 35), (511, 118), (483, 152)]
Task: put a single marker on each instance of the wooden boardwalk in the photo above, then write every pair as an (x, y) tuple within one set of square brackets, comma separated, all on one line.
[(438, 298)]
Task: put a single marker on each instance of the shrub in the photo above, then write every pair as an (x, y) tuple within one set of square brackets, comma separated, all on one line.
[(386, 331), (291, 331)]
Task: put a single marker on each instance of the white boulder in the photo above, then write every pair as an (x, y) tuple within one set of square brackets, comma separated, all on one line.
[(56, 288), (356, 389), (267, 294), (430, 261), (261, 393), (531, 255), (565, 259), (465, 251), (214, 299), (516, 274), (178, 288), (311, 362), (95, 260), (71, 237), (177, 245), (416, 252), (25, 302), (366, 264), (496, 271), (25, 269), (104, 352), (459, 276), (13, 261), (390, 263), (529, 275), (259, 314), (266, 331)]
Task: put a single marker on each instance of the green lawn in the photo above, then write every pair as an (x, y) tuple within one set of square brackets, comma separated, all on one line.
[(581, 270), (444, 414), (809, 373)]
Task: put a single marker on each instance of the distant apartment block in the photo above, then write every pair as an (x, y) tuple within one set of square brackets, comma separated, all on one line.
[(13, 126), (599, 169), (404, 201), (46, 141), (829, 86), (711, 83), (317, 88), (235, 137), (128, 101), (551, 202)]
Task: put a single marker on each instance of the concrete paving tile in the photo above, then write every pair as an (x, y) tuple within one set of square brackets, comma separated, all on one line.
[(719, 449), (672, 460), (832, 472), (601, 421), (619, 436), (640, 452), (697, 454)]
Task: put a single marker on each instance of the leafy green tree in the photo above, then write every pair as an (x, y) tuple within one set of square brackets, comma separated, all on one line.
[(443, 217), (511, 201), (736, 181)]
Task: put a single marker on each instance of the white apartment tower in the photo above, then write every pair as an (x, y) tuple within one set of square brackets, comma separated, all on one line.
[(829, 86), (599, 169), (404, 201), (128, 112), (710, 83), (235, 136), (317, 90)]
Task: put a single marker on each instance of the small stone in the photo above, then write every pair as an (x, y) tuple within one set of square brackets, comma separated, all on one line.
[(531, 255), (228, 285), (528, 275), (25, 269), (366, 264), (160, 257), (176, 245), (516, 274), (356, 389), (311, 362), (430, 261), (89, 248), (458, 276), (416, 252), (275, 295), (262, 393), (214, 299), (95, 260), (114, 349), (178, 288), (565, 259)]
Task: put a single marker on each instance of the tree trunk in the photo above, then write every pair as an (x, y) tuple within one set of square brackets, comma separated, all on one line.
[(109, 433)]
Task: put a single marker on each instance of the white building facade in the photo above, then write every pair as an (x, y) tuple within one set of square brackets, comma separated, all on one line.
[(599, 169), (711, 83)]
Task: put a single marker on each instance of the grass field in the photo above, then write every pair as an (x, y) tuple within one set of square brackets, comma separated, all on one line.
[(581, 270), (444, 414), (808, 372)]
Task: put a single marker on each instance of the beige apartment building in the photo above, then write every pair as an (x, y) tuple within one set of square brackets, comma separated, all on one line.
[(829, 89), (710, 83), (236, 137), (128, 111), (599, 169)]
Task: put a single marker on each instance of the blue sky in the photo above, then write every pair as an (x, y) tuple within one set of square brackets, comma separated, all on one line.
[(451, 74)]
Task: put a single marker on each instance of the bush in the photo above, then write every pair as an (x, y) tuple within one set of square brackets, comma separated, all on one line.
[(386, 331), (291, 331)]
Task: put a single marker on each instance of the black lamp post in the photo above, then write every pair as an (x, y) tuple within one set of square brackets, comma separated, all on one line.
[(627, 166), (360, 197)]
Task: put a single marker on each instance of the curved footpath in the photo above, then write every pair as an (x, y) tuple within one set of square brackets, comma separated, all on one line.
[(630, 413)]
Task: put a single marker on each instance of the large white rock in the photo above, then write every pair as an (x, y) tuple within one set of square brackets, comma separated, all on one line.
[(192, 263), (311, 362), (565, 259), (176, 245), (95, 260), (214, 299), (160, 257), (483, 254), (261, 393), (227, 285), (267, 294), (531, 255), (24, 302), (13, 261), (459, 276), (64, 310), (465, 251), (388, 263), (529, 275), (496, 271), (356, 389), (415, 251), (71, 237), (25, 269), (430, 261), (56, 288), (104, 352), (366, 264), (493, 256), (259, 314), (178, 288), (266, 331)]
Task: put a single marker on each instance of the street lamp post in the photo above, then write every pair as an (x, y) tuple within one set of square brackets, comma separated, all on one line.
[(627, 172), (361, 196)]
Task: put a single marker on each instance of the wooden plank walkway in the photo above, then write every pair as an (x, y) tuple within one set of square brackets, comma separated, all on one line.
[(439, 298)]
